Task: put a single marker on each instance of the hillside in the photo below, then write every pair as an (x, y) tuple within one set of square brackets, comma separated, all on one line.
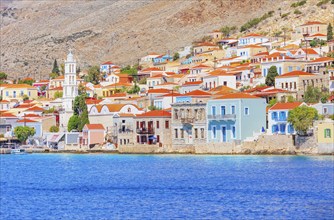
[(34, 33)]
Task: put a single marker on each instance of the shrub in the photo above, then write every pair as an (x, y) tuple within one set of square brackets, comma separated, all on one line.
[(256, 21), (297, 12), (54, 128), (285, 15), (322, 2), (297, 4)]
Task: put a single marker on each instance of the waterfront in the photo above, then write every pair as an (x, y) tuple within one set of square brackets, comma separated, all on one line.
[(100, 186)]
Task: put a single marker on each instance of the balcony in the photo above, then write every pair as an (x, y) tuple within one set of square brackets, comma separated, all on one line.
[(187, 120), (231, 117), (280, 119), (145, 131)]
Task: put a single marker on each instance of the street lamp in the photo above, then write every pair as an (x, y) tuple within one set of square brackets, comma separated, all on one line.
[(305, 35)]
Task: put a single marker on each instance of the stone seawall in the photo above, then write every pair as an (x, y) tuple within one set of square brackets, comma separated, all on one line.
[(264, 144)]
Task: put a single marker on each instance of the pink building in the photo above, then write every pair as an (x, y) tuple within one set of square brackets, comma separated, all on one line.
[(92, 134)]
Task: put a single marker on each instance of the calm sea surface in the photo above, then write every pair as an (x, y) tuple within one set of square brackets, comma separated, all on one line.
[(97, 186)]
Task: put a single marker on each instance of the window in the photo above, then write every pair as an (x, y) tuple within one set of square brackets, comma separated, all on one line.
[(214, 132), (182, 133), (213, 110), (282, 128), (157, 124), (7, 93), (166, 124), (290, 68), (14, 94), (21, 92), (274, 115), (137, 124), (282, 116), (232, 109), (279, 70), (233, 132), (265, 72), (295, 85), (202, 132), (298, 67), (246, 111), (158, 138), (327, 133), (196, 133), (222, 110), (176, 134), (325, 110)]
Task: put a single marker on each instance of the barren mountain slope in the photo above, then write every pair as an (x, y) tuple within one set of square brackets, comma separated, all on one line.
[(34, 33)]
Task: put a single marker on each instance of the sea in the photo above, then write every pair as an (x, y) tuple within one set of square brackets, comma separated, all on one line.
[(112, 186)]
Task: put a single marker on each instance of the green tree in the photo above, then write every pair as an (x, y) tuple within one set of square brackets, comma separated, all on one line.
[(28, 81), (53, 75), (291, 99), (176, 56), (55, 68), (94, 75), (82, 89), (25, 97), (23, 133), (312, 95), (73, 123), (80, 114), (58, 94), (3, 76), (152, 107), (329, 32), (272, 102), (272, 73), (302, 118), (131, 70), (54, 128), (62, 68), (135, 89), (324, 97)]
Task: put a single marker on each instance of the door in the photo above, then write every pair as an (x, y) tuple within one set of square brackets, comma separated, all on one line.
[(224, 134), (190, 136)]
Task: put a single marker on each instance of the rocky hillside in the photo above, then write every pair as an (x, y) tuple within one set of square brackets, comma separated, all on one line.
[(34, 33)]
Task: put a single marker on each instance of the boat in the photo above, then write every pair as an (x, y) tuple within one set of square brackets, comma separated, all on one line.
[(18, 151)]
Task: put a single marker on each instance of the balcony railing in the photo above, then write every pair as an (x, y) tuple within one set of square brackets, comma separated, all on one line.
[(187, 120), (280, 119), (222, 117), (145, 131)]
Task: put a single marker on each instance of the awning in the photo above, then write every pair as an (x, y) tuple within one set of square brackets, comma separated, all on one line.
[(152, 138), (56, 137)]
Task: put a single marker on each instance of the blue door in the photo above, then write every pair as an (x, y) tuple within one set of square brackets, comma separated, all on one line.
[(224, 133)]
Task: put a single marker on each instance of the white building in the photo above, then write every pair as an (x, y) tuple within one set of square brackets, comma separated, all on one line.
[(70, 90)]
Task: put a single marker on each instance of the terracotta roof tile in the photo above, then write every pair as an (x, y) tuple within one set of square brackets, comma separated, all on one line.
[(158, 91), (25, 120), (192, 83), (311, 23), (296, 73), (35, 109), (288, 105), (94, 126), (197, 93), (237, 96), (155, 113)]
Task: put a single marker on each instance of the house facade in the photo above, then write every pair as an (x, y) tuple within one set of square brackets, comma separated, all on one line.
[(278, 118), (231, 117), (188, 123), (153, 128)]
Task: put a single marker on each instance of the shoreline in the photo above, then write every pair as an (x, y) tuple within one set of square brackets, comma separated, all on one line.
[(40, 151)]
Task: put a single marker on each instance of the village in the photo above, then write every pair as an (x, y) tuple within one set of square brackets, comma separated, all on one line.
[(252, 94)]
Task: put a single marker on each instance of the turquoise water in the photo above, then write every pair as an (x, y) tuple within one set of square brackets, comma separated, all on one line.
[(65, 186)]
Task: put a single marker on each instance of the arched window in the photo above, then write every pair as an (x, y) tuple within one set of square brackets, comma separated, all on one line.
[(129, 109)]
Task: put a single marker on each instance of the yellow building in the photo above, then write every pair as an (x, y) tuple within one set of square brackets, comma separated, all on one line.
[(18, 91), (325, 132)]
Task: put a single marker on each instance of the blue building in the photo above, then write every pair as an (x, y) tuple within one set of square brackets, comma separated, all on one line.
[(163, 58), (278, 118), (235, 116)]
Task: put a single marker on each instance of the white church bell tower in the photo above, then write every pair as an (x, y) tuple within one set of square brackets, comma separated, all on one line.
[(70, 87), (70, 91)]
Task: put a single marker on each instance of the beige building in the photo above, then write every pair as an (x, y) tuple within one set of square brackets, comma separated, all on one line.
[(189, 125), (310, 28), (153, 128), (204, 47), (18, 91), (298, 81)]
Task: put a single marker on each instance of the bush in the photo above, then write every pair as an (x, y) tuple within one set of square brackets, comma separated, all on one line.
[(297, 4), (302, 118), (322, 2), (256, 21), (54, 128), (285, 15), (297, 12)]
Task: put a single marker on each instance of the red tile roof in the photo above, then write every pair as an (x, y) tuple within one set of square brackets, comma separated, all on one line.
[(323, 59), (107, 63), (26, 121), (94, 126), (296, 73), (253, 35), (93, 101), (35, 109), (155, 113), (151, 69), (32, 115), (312, 23), (285, 106), (7, 115), (318, 35), (118, 95), (59, 88), (237, 96), (207, 44), (158, 91), (192, 83), (197, 93), (201, 66)]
